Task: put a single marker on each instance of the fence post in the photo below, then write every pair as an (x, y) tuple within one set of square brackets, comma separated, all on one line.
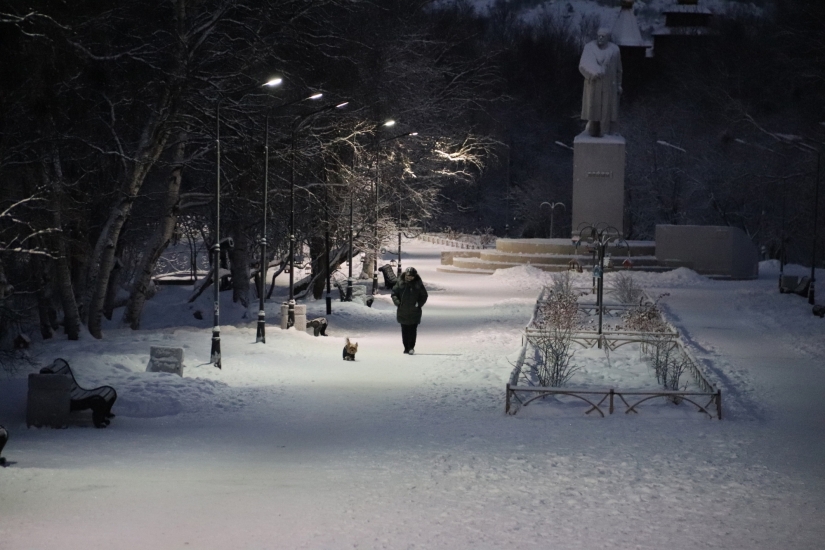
[(507, 401), (611, 400), (719, 404)]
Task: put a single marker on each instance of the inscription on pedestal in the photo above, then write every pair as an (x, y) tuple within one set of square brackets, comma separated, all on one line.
[(598, 181)]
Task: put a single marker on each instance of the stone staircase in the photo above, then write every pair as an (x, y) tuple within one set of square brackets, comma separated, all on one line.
[(549, 255)]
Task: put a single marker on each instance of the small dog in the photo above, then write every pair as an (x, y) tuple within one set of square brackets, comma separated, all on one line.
[(349, 350), (318, 326)]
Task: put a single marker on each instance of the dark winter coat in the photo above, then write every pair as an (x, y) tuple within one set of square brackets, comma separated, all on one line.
[(408, 298)]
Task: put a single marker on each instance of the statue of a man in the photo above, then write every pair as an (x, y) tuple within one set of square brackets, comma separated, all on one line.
[(601, 66)]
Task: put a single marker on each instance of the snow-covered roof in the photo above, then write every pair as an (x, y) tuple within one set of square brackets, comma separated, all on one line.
[(684, 31), (626, 29)]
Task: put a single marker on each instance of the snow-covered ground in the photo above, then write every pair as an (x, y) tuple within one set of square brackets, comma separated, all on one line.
[(290, 447)]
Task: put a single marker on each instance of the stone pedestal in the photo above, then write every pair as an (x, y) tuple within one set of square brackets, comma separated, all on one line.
[(49, 400), (598, 181)]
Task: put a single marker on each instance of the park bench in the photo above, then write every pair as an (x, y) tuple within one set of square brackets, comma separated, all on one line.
[(795, 285), (99, 400), (390, 278)]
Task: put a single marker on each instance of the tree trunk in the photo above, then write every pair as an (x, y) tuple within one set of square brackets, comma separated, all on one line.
[(317, 250), (158, 243), (239, 266), (43, 301), (151, 145), (63, 274), (111, 291), (107, 242)]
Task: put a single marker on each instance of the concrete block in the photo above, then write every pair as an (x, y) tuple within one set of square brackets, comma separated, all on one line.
[(49, 400), (447, 256), (708, 249), (163, 359), (284, 315), (300, 316)]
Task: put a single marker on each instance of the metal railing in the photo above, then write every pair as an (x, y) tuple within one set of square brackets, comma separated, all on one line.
[(612, 340)]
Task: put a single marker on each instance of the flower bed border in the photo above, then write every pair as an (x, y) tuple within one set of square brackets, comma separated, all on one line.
[(612, 340)]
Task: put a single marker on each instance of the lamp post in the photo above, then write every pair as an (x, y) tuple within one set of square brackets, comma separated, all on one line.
[(811, 291), (599, 237), (398, 272), (348, 296), (296, 127), (797, 143), (552, 206), (215, 354), (387, 124), (260, 335)]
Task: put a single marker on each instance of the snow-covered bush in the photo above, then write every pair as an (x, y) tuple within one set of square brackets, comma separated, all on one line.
[(562, 283), (485, 236), (557, 320), (658, 346), (625, 288)]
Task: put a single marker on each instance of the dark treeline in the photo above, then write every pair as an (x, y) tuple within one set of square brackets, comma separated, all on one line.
[(108, 136)]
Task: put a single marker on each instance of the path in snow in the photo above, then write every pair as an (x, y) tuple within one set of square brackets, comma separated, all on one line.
[(290, 447)]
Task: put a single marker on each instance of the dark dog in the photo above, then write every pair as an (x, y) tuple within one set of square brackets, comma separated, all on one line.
[(349, 350), (318, 326)]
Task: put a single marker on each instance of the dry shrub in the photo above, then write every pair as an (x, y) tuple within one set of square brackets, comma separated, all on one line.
[(557, 320)]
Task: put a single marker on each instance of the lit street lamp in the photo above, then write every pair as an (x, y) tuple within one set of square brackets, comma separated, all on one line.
[(296, 127), (552, 206), (811, 291), (215, 354), (797, 143), (260, 335), (387, 124)]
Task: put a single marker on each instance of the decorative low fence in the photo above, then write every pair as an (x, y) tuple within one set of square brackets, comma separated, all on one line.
[(713, 404), (519, 395), (468, 242)]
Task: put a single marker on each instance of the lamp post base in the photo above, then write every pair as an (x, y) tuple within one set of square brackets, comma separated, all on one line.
[(215, 357), (260, 335)]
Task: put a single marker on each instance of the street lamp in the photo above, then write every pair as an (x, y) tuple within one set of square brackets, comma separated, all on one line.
[(599, 237), (296, 127), (215, 354), (796, 142), (811, 291), (348, 296), (387, 124), (260, 335), (552, 206)]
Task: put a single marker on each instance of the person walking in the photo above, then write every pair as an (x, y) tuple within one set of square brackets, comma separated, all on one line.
[(409, 295)]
